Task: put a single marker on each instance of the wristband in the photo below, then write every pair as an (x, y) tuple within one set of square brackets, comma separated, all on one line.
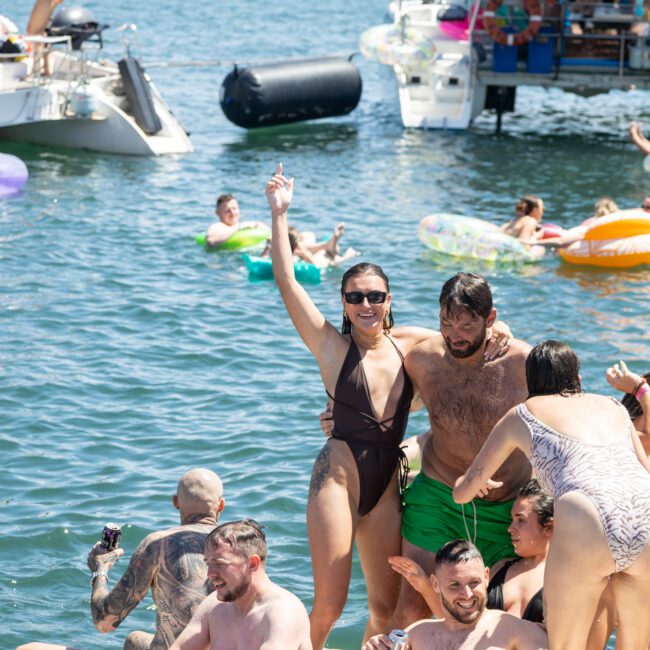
[(97, 574), (643, 382), (640, 392)]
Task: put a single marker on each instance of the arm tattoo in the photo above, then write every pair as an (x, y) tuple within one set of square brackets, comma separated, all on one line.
[(115, 606), (320, 471)]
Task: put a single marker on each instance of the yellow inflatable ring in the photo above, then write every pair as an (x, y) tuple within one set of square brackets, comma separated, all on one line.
[(618, 225), (610, 253)]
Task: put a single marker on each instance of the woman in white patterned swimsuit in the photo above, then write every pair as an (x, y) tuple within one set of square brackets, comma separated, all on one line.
[(587, 454)]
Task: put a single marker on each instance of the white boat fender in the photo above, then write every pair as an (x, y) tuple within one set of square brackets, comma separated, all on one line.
[(290, 91), (138, 92)]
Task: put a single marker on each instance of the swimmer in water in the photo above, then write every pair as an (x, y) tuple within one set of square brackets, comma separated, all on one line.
[(528, 215)]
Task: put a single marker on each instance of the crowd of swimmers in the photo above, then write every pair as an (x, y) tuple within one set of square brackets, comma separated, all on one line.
[(526, 527)]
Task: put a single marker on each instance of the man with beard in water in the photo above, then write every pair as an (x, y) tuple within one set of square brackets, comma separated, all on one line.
[(460, 579), (246, 611), (465, 395)]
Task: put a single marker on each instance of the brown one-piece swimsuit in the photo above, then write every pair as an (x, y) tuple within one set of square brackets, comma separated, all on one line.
[(374, 444)]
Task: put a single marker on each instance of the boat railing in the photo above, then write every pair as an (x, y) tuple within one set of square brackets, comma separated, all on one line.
[(600, 36), (35, 57)]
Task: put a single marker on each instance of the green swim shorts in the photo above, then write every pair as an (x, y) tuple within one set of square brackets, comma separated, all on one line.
[(431, 517)]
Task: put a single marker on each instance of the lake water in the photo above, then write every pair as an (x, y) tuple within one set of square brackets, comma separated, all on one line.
[(128, 355)]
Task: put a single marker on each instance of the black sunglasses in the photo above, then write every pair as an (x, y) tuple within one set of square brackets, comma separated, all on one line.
[(356, 297)]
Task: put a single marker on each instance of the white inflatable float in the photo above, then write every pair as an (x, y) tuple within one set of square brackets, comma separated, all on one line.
[(473, 238)]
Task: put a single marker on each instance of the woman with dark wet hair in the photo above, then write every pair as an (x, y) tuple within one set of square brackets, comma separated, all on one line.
[(587, 454)]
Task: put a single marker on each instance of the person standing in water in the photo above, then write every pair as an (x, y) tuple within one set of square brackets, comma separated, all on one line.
[(353, 496)]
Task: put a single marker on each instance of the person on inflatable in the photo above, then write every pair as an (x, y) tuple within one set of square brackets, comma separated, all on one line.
[(227, 209), (305, 249), (528, 215)]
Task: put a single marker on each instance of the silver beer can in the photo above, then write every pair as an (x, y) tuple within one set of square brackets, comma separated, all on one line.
[(399, 640)]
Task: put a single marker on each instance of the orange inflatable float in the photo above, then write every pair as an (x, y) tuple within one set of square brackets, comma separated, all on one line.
[(617, 240)]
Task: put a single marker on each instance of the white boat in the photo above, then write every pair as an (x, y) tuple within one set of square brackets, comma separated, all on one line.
[(449, 66), (435, 72), (60, 93)]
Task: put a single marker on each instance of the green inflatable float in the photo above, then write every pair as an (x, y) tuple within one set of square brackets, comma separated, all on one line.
[(241, 240)]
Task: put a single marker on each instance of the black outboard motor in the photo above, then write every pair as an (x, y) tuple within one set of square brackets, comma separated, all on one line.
[(290, 91), (78, 23)]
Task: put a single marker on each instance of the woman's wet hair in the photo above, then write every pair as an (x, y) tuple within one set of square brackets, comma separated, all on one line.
[(553, 368), (457, 551), (466, 292), (359, 270), (245, 537), (542, 502), (631, 403), (526, 205)]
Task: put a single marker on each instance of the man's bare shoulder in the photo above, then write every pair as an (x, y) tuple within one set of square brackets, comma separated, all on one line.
[(279, 597), (421, 633)]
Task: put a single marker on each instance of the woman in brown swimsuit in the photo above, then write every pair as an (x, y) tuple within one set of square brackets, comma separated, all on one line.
[(353, 496)]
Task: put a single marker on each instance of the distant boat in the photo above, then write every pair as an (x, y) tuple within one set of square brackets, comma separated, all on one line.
[(454, 58), (53, 92)]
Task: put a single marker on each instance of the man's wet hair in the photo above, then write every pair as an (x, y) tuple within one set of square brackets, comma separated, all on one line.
[(466, 292), (553, 368), (245, 537), (224, 198), (458, 551), (542, 501)]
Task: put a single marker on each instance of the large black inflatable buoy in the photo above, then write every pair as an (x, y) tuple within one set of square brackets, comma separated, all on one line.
[(290, 91)]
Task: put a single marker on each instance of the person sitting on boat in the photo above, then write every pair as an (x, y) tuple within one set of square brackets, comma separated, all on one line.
[(247, 610), (460, 580), (227, 209), (40, 16), (528, 215), (636, 399)]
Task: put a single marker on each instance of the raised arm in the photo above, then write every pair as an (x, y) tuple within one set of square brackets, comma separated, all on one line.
[(319, 335), (509, 433), (110, 608), (637, 137)]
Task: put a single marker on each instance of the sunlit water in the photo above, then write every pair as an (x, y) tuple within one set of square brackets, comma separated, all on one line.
[(128, 355)]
